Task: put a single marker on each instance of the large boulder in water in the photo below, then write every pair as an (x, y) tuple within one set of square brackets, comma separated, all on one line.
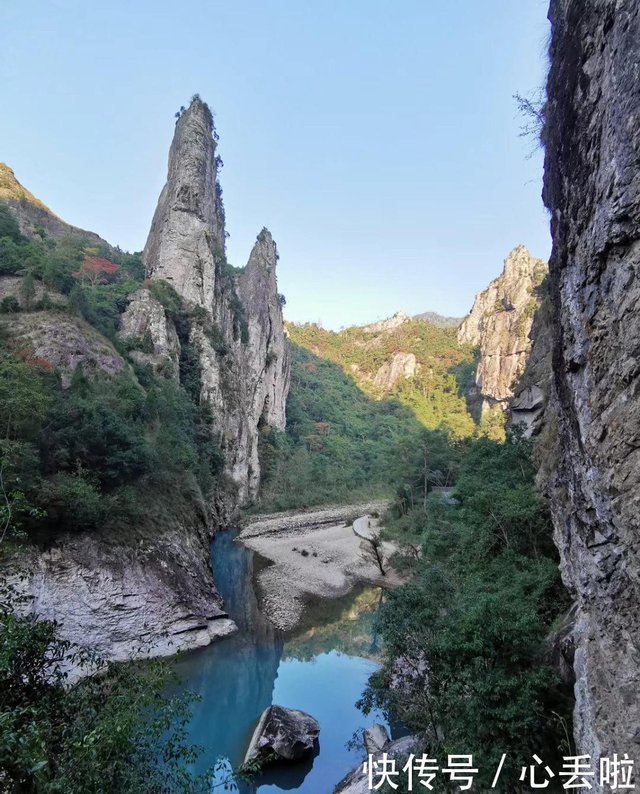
[(283, 735)]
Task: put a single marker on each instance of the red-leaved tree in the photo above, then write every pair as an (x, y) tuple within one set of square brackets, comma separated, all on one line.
[(95, 270)]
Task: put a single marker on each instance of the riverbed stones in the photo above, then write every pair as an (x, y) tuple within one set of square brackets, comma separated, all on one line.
[(283, 735)]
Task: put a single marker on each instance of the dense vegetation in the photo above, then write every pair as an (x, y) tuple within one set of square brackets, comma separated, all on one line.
[(348, 438), (115, 731), (339, 446), (96, 455), (435, 393), (467, 663), (464, 642), (88, 456)]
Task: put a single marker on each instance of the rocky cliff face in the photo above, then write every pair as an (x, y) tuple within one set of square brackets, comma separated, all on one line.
[(499, 324), (532, 392), (401, 365), (592, 189), (187, 231), (127, 601), (146, 589), (241, 343), (32, 214)]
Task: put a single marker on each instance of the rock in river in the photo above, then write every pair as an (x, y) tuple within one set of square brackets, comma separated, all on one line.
[(375, 738), (283, 735)]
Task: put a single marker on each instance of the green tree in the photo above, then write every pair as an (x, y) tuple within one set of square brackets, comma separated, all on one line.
[(466, 660)]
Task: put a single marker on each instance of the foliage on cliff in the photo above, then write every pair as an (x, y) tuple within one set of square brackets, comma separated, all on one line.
[(90, 455), (339, 444), (466, 662)]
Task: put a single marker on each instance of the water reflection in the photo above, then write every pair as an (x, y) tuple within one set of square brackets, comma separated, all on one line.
[(322, 669)]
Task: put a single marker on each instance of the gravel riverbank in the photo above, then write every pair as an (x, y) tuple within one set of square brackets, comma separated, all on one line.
[(314, 555)]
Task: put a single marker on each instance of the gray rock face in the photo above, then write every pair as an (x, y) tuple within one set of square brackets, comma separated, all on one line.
[(357, 781), (283, 735), (145, 321), (187, 231), (375, 738), (531, 395), (401, 366), (265, 357), (592, 189), (499, 324), (242, 348), (64, 343), (124, 601), (11, 286)]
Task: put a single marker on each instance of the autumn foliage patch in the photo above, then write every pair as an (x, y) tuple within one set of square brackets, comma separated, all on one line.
[(95, 270)]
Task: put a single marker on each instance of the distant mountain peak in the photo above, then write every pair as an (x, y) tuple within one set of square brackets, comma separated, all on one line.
[(499, 325), (34, 216), (385, 326), (439, 320)]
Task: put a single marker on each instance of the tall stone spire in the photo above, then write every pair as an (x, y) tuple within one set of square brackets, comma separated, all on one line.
[(187, 232), (241, 347)]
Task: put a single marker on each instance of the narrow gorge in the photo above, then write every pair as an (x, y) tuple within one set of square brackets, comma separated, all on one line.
[(150, 591), (245, 550)]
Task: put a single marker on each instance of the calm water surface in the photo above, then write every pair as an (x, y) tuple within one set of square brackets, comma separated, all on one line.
[(322, 669)]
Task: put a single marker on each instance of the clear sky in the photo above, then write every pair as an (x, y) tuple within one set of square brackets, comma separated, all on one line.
[(378, 140)]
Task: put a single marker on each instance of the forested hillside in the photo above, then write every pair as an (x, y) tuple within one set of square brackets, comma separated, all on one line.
[(472, 644), (361, 404), (419, 364), (89, 432)]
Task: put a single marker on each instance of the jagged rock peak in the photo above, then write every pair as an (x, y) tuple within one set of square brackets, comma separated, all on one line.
[(264, 253), (187, 233), (241, 347), (267, 349), (511, 290), (499, 325), (386, 326)]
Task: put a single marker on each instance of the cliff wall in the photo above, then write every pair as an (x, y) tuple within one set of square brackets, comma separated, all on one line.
[(146, 588), (499, 325), (592, 190)]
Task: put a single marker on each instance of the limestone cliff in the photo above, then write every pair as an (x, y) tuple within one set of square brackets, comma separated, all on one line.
[(241, 344), (499, 324), (532, 392), (144, 587), (145, 590), (145, 319), (401, 365), (187, 231), (125, 600), (592, 190)]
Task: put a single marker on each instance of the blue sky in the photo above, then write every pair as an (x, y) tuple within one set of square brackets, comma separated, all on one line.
[(377, 140)]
